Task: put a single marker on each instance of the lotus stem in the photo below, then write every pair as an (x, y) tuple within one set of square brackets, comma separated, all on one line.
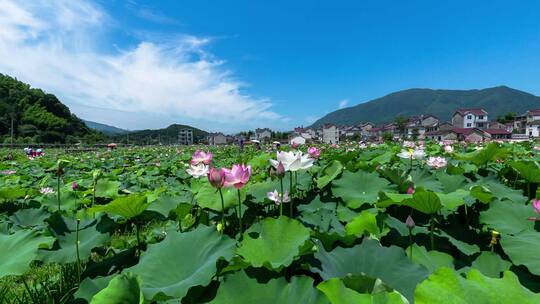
[(58, 191), (410, 243), (78, 254), (282, 194), (431, 224), (290, 193), (138, 235), (222, 211), (239, 210)]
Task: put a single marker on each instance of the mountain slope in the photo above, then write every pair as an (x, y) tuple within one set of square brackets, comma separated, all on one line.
[(106, 129), (167, 135), (37, 116), (441, 103)]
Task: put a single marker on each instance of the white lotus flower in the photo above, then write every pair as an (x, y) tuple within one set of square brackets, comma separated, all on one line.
[(412, 154), (436, 162), (448, 149), (293, 161), (276, 197), (198, 170), (46, 190)]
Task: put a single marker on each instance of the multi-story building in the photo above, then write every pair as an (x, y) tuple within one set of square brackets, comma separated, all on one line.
[(217, 139), (470, 118), (330, 134), (263, 134), (417, 126), (185, 137)]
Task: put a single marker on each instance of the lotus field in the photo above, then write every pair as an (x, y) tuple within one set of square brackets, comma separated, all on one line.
[(404, 222)]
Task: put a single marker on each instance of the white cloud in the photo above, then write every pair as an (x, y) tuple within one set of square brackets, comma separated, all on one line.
[(343, 103), (58, 46)]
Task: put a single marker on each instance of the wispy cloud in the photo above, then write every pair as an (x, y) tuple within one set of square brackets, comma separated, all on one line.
[(57, 45), (150, 14), (343, 103)]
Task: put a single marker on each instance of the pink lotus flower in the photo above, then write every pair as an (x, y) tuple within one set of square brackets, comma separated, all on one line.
[(436, 162), (201, 157), (409, 222), (278, 198), (237, 176), (448, 149), (410, 190), (294, 145), (536, 205), (314, 152), (216, 177), (8, 172), (74, 185)]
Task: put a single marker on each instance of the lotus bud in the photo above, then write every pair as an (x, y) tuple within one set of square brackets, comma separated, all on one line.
[(494, 237), (74, 185), (410, 190), (409, 222), (280, 170), (216, 177)]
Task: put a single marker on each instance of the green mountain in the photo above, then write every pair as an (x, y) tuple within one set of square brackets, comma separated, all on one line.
[(103, 128), (38, 117), (167, 135), (441, 103)]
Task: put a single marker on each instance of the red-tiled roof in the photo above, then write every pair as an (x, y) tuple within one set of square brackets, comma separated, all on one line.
[(475, 111), (534, 112), (497, 131), (465, 131)]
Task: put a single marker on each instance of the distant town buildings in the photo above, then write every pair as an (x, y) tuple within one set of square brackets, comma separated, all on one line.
[(330, 134), (185, 137), (216, 139), (470, 118)]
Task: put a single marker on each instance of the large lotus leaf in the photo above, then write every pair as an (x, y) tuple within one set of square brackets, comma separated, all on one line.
[(259, 190), (453, 199), (165, 204), (276, 242), (181, 261), (501, 191), (446, 286), (90, 287), (208, 197), (424, 201), (423, 179), (465, 248), (329, 173), (89, 238), (364, 222), (432, 260), (128, 206), (529, 170), (390, 264), (68, 200), (29, 218), (490, 264), (336, 291), (12, 193), (358, 188), (107, 188), (19, 250), (485, 155), (481, 193), (450, 182), (523, 249), (322, 216), (124, 288), (238, 288), (508, 217)]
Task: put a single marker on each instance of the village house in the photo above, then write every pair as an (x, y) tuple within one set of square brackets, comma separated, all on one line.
[(500, 133), (216, 139), (417, 126), (470, 118), (264, 134), (330, 134), (185, 136), (533, 123)]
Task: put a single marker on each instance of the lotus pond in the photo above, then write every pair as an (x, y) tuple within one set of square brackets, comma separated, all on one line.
[(387, 223)]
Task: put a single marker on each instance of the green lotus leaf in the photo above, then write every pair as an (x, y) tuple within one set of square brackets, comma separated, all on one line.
[(523, 249), (238, 288), (490, 264), (453, 199), (90, 287), (432, 260), (182, 260), (259, 190), (450, 182), (68, 201), (390, 264), (423, 179), (424, 201), (482, 193), (529, 170), (329, 173), (447, 286), (19, 250), (485, 155), (322, 216), (360, 187), (12, 193), (89, 238), (107, 188), (124, 288), (276, 242), (364, 222), (465, 248), (128, 206), (208, 197), (336, 291), (501, 191), (508, 217), (28, 218)]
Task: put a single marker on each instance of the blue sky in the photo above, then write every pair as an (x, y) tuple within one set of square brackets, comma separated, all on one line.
[(234, 65)]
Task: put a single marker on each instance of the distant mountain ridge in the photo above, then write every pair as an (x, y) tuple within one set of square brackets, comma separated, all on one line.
[(441, 103), (106, 129), (168, 135)]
